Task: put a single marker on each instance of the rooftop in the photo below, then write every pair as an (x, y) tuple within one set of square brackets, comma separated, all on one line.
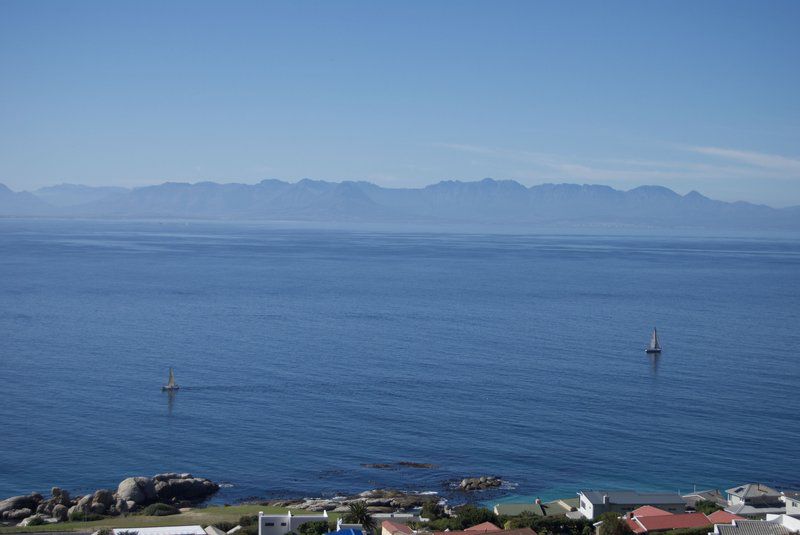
[(163, 530), (649, 510), (483, 528), (751, 527), (723, 517), (631, 497), (667, 522), (753, 490), (395, 527)]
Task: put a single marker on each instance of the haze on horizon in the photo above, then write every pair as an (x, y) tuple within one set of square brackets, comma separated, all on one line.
[(692, 96)]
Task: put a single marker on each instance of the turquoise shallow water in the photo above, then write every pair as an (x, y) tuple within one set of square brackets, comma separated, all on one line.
[(305, 354)]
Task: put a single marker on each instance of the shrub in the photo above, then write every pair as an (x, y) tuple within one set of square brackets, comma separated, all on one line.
[(556, 525), (252, 529), (315, 528), (159, 509), (706, 507), (37, 520), (80, 516), (104, 531), (613, 525), (432, 510), (469, 515), (224, 526), (248, 520)]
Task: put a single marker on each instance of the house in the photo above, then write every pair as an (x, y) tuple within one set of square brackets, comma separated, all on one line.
[(649, 519), (712, 495), (754, 499), (484, 527), (791, 498), (282, 524), (774, 525), (520, 531), (389, 527), (538, 508), (723, 517), (164, 530), (789, 522), (593, 503)]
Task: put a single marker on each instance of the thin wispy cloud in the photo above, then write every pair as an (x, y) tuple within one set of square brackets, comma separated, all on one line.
[(755, 159), (736, 164)]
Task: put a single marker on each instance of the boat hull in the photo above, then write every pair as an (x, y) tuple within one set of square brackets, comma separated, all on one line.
[(652, 351), (170, 388)]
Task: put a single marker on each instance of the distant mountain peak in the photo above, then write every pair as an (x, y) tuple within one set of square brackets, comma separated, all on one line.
[(485, 202)]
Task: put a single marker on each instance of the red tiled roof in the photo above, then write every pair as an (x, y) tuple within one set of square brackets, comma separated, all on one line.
[(484, 527), (647, 524), (649, 510), (394, 527), (520, 531), (723, 517)]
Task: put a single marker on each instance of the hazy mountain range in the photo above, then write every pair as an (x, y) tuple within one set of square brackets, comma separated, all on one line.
[(492, 202)]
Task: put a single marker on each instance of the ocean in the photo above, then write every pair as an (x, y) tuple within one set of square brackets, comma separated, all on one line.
[(305, 354)]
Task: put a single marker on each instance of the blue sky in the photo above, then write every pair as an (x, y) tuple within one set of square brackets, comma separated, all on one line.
[(690, 95)]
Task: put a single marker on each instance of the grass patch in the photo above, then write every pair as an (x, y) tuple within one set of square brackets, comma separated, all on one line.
[(203, 516)]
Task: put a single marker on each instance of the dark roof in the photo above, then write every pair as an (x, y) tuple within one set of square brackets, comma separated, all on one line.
[(753, 490), (630, 497), (752, 527)]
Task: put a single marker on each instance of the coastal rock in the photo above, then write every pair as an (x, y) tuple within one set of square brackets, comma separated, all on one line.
[(184, 487), (84, 503), (139, 490), (31, 501), (60, 496), (17, 514), (121, 507), (480, 483), (98, 508), (103, 496), (30, 519), (60, 513)]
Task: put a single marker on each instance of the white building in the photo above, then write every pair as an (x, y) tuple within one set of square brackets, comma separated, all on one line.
[(165, 530), (792, 501), (593, 503), (773, 525), (754, 499), (284, 524)]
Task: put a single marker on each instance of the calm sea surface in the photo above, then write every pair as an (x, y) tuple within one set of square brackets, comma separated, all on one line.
[(304, 354)]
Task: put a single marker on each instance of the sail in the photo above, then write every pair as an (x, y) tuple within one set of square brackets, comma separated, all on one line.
[(654, 340), (171, 378)]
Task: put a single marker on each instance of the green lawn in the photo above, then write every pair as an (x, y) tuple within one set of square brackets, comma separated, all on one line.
[(204, 517)]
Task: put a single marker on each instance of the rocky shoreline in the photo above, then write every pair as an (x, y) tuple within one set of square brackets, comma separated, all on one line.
[(134, 494)]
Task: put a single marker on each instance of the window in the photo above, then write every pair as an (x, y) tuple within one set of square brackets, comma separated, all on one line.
[(283, 523), (269, 524)]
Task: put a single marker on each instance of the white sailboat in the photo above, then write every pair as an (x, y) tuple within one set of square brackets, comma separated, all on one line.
[(171, 385), (654, 346)]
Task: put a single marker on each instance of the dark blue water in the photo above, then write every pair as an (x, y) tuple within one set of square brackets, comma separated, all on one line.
[(306, 353)]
